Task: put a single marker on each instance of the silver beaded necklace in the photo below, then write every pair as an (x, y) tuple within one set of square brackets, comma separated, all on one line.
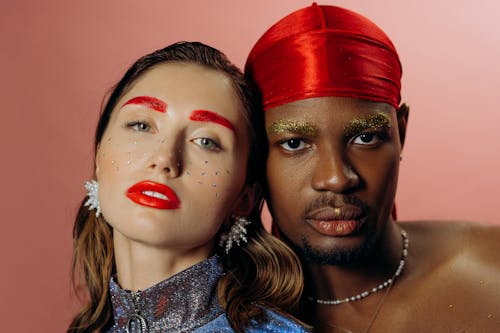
[(381, 286)]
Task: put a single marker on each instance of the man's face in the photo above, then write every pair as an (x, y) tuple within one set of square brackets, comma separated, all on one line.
[(332, 173)]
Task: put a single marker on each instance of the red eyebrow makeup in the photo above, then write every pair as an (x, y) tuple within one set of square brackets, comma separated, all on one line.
[(204, 115), (149, 102)]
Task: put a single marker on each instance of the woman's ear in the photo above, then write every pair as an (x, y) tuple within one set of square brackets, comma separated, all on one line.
[(97, 161), (249, 197), (402, 115)]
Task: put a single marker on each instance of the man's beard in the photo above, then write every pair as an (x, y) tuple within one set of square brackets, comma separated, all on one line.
[(337, 256)]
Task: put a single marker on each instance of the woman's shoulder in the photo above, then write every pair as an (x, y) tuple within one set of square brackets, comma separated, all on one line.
[(219, 324), (276, 322)]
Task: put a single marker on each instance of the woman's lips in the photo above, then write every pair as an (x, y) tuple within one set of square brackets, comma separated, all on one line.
[(154, 195), (336, 221)]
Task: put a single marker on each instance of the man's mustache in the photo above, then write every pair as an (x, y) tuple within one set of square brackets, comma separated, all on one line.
[(335, 200)]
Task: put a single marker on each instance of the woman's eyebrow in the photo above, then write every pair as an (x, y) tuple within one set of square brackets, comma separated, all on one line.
[(152, 103), (211, 116)]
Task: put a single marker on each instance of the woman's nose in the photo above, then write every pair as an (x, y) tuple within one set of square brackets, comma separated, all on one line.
[(168, 158)]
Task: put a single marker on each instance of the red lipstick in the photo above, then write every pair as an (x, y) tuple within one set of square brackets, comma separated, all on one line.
[(154, 195)]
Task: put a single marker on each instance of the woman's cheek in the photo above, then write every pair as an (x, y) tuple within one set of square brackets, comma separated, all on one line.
[(133, 154), (108, 158), (212, 176)]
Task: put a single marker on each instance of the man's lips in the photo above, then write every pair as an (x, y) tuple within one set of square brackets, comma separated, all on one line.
[(327, 213), (154, 195), (336, 221)]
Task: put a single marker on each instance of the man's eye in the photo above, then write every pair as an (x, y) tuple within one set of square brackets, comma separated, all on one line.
[(367, 139), (207, 143), (293, 144), (140, 126)]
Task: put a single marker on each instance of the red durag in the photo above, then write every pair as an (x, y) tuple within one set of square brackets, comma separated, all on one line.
[(322, 51)]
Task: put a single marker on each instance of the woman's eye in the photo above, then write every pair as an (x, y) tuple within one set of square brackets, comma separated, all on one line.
[(367, 139), (207, 143), (140, 126), (293, 144)]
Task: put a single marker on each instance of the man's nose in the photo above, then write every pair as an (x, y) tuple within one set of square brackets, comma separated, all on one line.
[(333, 173)]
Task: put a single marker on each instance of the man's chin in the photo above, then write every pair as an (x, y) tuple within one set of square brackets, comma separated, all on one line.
[(338, 256)]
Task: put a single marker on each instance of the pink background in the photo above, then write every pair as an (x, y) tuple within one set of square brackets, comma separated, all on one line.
[(57, 59)]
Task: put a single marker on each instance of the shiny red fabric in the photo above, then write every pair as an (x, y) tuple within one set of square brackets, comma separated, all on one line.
[(322, 51)]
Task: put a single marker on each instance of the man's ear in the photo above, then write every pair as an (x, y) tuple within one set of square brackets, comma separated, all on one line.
[(402, 116), (249, 197)]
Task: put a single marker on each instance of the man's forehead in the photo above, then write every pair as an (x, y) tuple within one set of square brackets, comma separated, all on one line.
[(326, 107)]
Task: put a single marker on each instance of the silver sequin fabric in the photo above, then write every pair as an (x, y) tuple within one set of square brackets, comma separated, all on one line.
[(185, 302)]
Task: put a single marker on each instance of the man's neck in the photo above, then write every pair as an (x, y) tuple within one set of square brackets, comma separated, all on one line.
[(329, 282)]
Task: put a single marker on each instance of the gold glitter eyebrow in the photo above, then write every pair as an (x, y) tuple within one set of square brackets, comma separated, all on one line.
[(292, 126), (379, 120)]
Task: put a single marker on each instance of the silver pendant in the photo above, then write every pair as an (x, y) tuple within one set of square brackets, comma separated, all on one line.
[(137, 320)]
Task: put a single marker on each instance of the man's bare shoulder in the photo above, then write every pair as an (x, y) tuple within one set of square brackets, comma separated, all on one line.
[(454, 226), (453, 272), (457, 238)]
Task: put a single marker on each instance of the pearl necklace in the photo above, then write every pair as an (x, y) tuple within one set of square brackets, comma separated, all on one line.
[(381, 286)]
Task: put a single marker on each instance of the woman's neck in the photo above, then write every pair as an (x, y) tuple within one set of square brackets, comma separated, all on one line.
[(140, 266)]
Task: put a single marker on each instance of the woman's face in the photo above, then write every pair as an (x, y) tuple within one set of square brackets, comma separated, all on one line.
[(172, 162)]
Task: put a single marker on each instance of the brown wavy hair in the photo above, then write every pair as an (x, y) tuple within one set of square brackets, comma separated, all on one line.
[(262, 273)]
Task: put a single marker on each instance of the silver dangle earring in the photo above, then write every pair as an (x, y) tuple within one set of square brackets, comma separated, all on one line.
[(92, 202), (236, 234)]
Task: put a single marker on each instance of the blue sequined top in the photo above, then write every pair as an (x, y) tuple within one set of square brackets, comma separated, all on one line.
[(185, 302)]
